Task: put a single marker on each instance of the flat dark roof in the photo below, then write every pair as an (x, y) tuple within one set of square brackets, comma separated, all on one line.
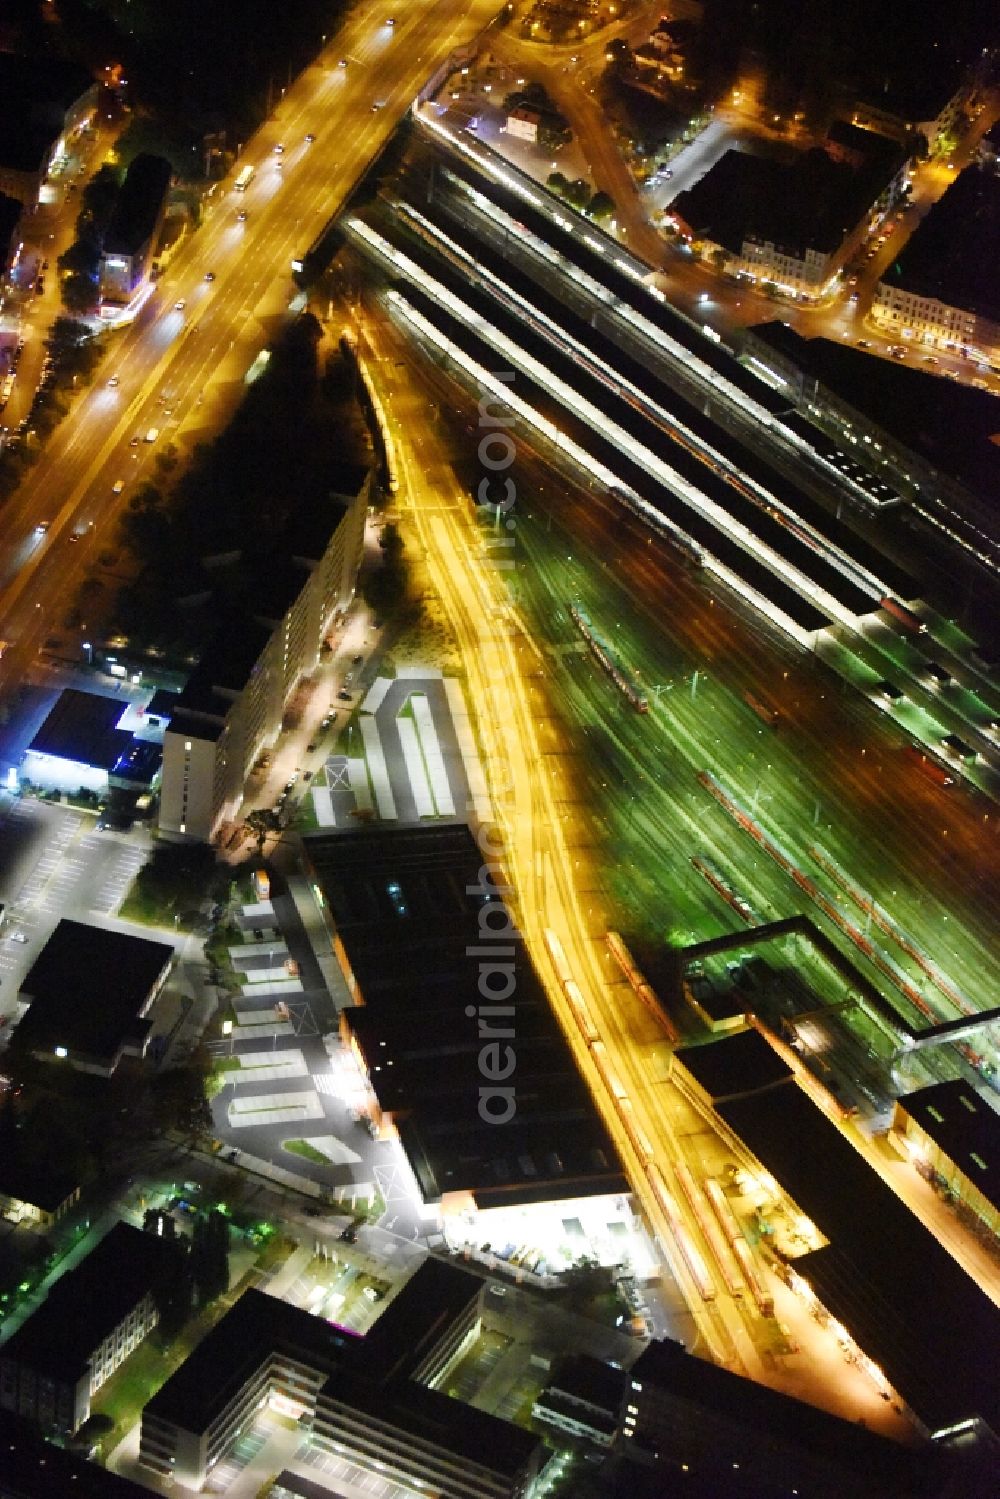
[(89, 1301), (140, 199), (289, 1485), (37, 93), (11, 210), (162, 703), (39, 1183), (943, 257), (790, 1423), (372, 1374), (964, 1126), (432, 1299), (949, 425), (811, 203), (32, 1468), (590, 1379), (224, 668), (87, 987), (215, 1371), (82, 726), (910, 1306), (432, 1416), (410, 928), (734, 1065)]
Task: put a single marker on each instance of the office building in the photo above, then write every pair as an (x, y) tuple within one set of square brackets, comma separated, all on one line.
[(32, 1468), (941, 291), (681, 1414), (370, 1399), (910, 1314), (793, 224), (94, 743), (582, 1399), (89, 994), (35, 1192), (91, 1320)]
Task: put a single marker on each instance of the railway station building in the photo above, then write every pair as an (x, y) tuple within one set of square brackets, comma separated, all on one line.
[(953, 1139), (900, 1305)]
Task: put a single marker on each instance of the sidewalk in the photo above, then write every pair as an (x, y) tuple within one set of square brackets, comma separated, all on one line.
[(319, 939)]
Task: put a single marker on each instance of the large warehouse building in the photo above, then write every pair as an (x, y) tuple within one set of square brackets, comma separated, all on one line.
[(452, 1026)]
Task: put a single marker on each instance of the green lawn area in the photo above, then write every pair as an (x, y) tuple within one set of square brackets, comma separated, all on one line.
[(306, 1151), (305, 820)]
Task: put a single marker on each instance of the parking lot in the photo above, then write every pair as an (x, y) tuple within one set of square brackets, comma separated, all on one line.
[(54, 864)]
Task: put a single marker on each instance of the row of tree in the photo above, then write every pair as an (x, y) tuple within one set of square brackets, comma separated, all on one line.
[(579, 195), (198, 1275), (80, 264)]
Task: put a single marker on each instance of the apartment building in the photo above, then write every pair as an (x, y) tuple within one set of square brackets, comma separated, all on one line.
[(941, 290), (232, 706), (793, 224), (47, 103), (135, 227)]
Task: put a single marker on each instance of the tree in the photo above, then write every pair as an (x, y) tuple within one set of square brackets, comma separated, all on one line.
[(262, 822), (175, 1293), (602, 206), (100, 195), (578, 194), (79, 292), (82, 256), (210, 1256), (557, 183)]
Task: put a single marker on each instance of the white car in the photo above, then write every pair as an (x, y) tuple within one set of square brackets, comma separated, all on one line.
[(115, 380), (18, 937)]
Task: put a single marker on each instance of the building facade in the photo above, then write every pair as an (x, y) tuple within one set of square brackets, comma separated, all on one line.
[(232, 708), (953, 1140), (793, 225), (901, 311), (135, 228), (47, 105), (92, 1319), (361, 1397)]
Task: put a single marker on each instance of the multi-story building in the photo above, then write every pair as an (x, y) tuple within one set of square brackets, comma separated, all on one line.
[(925, 92), (135, 227), (685, 1413), (941, 290), (793, 225), (10, 233), (35, 1193), (89, 1323), (88, 996), (367, 1398), (478, 1137), (953, 1139), (914, 1319), (33, 1468), (232, 706), (47, 103), (583, 1399)]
